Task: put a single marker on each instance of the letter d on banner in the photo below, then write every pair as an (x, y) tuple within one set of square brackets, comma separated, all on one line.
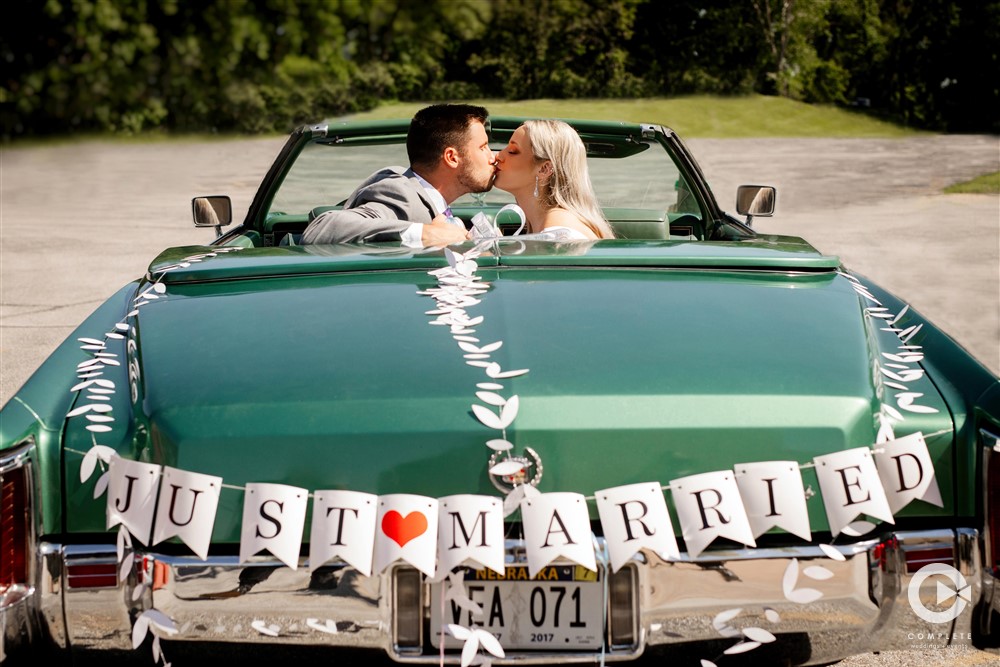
[(907, 472)]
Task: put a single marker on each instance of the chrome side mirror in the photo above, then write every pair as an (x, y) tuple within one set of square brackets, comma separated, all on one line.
[(215, 211), (756, 200)]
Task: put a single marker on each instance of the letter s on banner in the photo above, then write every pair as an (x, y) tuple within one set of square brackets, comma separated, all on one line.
[(274, 516)]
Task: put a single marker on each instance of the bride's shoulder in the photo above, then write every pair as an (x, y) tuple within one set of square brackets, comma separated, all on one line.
[(560, 217)]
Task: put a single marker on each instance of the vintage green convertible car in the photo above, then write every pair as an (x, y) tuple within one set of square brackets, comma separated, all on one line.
[(693, 435)]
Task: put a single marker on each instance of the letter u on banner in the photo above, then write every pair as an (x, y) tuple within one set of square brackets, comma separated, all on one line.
[(187, 507), (634, 517), (343, 524), (850, 486), (273, 518), (132, 496)]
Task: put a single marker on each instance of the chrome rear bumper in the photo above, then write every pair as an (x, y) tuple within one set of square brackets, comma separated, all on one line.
[(864, 606)]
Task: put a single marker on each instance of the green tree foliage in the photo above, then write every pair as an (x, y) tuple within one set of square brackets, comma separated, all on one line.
[(267, 65)]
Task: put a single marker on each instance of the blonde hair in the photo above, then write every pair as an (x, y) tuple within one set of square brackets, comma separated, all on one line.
[(569, 185)]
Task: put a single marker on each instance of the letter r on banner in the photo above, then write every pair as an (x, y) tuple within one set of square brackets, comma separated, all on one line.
[(635, 517)]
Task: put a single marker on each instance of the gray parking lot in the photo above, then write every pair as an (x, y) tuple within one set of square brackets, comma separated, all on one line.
[(77, 221)]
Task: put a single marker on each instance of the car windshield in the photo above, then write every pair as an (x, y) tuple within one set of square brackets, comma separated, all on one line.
[(325, 174)]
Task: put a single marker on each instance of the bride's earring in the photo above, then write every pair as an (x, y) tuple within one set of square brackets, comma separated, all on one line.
[(536, 186)]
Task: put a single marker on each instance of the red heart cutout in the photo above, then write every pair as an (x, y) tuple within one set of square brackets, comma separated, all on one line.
[(401, 529)]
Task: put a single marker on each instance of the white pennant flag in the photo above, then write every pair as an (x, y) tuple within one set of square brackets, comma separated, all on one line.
[(635, 517), (187, 507), (470, 528), (557, 524), (132, 496), (274, 516), (907, 472), (709, 506), (850, 486), (773, 496), (343, 525), (406, 529)]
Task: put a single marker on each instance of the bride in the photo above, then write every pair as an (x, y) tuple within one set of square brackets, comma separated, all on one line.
[(545, 167)]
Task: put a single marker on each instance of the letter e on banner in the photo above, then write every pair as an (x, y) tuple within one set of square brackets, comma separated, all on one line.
[(132, 496), (709, 506), (274, 516), (635, 517), (907, 472), (406, 529), (470, 527), (343, 525), (557, 524), (850, 486), (187, 507), (774, 497)]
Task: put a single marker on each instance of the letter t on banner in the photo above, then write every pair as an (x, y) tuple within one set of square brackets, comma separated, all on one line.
[(850, 486), (273, 518), (709, 506), (635, 517), (343, 524)]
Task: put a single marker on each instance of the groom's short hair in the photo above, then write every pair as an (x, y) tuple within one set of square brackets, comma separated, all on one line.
[(437, 127)]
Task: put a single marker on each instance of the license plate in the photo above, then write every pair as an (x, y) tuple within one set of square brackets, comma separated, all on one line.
[(562, 608)]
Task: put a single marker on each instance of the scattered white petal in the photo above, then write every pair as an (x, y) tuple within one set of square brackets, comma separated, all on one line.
[(458, 632), (160, 288), (508, 374), (708, 663), (507, 413), (499, 445), (487, 416), (480, 364), (892, 412), (490, 398), (804, 595), (759, 635), (329, 627), (490, 643), (817, 572), (476, 355), (100, 418), (102, 485), (98, 428), (742, 647), (791, 577), (772, 615), (901, 313), (126, 566), (832, 552), (139, 630), (922, 409), (491, 386), (91, 341), (722, 618), (265, 629), (138, 591), (492, 347), (79, 411), (896, 385), (506, 468)]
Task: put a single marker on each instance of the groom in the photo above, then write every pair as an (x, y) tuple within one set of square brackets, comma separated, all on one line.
[(449, 154)]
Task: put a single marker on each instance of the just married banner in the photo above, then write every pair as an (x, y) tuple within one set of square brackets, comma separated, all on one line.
[(434, 535)]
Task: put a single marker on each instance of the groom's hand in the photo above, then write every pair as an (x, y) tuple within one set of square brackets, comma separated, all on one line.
[(441, 232)]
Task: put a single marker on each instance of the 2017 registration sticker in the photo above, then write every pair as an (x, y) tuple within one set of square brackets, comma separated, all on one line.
[(560, 608)]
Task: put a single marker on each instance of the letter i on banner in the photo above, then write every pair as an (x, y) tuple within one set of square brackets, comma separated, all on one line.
[(470, 529), (187, 508), (274, 516), (132, 496), (850, 486), (709, 506), (635, 517), (406, 529), (907, 472), (773, 496), (343, 524), (557, 524)]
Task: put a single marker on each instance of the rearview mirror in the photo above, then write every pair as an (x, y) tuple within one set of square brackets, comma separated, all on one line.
[(756, 200), (215, 211)]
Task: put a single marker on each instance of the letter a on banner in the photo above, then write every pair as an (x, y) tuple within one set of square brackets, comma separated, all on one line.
[(635, 517), (850, 486), (557, 524), (132, 496), (406, 529), (274, 516), (907, 472), (470, 528), (709, 506), (343, 524), (187, 507), (773, 496)]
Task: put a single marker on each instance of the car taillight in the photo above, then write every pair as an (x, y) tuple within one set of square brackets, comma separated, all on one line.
[(15, 516), (992, 443)]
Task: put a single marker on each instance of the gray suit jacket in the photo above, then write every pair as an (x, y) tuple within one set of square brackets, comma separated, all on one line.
[(379, 210)]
